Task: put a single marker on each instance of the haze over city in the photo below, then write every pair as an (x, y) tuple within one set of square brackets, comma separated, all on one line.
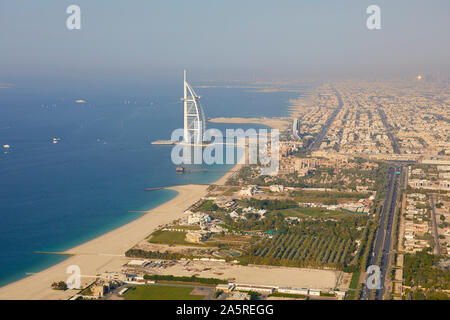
[(222, 40)]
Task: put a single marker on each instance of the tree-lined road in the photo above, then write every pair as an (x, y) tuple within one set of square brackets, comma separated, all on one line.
[(437, 247), (323, 131), (382, 249)]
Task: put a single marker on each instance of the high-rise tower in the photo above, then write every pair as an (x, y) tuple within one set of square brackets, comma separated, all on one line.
[(194, 116)]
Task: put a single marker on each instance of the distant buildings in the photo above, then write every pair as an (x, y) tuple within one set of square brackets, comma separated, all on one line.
[(383, 119), (296, 129)]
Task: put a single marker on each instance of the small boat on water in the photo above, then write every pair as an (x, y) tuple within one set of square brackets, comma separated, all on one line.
[(179, 169)]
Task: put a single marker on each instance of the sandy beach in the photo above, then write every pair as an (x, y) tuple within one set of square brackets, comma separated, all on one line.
[(106, 252)]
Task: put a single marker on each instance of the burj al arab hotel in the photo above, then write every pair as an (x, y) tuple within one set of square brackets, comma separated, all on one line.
[(194, 116)]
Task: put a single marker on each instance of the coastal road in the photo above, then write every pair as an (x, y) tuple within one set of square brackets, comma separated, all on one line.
[(382, 249), (437, 247), (323, 131)]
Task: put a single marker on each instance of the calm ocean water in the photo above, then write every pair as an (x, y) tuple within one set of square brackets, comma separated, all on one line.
[(56, 196)]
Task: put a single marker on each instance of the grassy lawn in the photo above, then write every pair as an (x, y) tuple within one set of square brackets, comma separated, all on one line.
[(169, 237), (288, 295), (175, 237), (157, 292), (186, 227), (353, 285), (355, 279), (231, 191)]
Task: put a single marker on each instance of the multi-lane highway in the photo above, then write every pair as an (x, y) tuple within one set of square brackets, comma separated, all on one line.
[(437, 247), (382, 248), (386, 254), (323, 131)]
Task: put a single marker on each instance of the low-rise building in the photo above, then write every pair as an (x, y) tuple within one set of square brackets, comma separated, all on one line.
[(197, 218), (99, 290), (196, 237), (302, 291), (416, 183), (138, 263), (117, 276), (225, 287), (276, 188), (248, 191), (314, 292), (248, 287), (238, 296)]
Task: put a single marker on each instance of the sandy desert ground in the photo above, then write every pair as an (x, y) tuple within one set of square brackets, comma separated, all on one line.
[(259, 275)]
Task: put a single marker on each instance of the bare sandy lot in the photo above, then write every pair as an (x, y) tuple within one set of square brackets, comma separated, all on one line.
[(258, 275)]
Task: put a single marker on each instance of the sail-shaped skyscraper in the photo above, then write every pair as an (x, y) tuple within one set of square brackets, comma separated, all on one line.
[(194, 116)]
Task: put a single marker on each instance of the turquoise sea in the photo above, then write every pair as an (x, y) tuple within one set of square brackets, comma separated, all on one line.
[(54, 196)]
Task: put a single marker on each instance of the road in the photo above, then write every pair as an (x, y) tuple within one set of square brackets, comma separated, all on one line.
[(383, 239), (388, 129), (323, 131), (437, 247), (387, 245), (405, 178)]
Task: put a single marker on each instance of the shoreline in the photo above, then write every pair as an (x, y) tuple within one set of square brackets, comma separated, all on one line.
[(107, 251), (280, 123)]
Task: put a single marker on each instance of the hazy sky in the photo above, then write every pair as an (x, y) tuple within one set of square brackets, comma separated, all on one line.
[(227, 39)]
